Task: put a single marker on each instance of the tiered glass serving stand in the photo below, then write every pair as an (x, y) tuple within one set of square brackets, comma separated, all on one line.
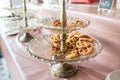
[(25, 24), (40, 46)]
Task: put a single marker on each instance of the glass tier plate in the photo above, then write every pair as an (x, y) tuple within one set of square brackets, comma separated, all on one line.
[(19, 10), (40, 48), (28, 12), (13, 8), (20, 24), (13, 17), (18, 15), (46, 23)]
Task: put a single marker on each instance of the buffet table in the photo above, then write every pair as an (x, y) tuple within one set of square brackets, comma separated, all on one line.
[(105, 29)]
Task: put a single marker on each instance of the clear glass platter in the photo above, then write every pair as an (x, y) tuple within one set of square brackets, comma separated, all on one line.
[(19, 10), (20, 24), (12, 18), (47, 23), (40, 48)]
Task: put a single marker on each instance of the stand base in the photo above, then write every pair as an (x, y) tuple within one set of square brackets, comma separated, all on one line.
[(63, 70), (25, 37)]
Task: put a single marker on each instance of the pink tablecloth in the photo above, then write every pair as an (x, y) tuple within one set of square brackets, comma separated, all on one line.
[(23, 67)]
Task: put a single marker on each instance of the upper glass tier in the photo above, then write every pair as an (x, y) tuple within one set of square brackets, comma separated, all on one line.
[(73, 23)]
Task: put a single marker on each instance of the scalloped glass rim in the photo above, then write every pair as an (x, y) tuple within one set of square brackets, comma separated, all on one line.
[(46, 23), (41, 45)]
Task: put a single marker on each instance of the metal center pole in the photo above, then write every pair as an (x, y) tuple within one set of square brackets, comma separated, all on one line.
[(25, 13), (11, 8), (26, 36), (63, 69), (63, 19)]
